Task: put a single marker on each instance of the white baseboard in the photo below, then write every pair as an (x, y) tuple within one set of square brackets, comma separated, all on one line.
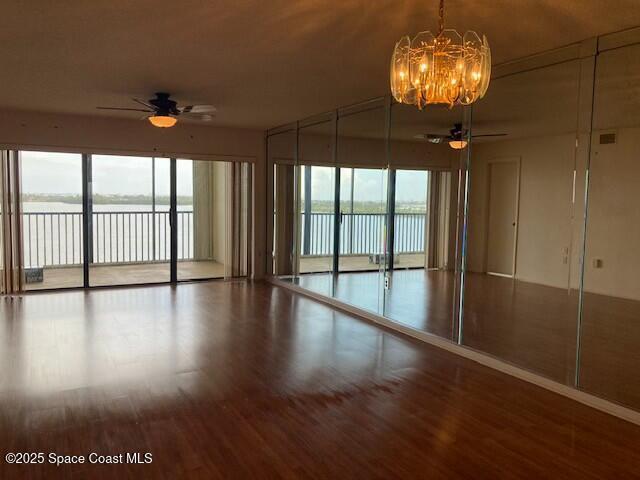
[(474, 355)]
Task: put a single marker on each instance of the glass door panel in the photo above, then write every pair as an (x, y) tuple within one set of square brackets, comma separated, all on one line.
[(130, 220), (202, 212), (316, 227), (362, 219), (51, 196), (410, 232), (362, 236)]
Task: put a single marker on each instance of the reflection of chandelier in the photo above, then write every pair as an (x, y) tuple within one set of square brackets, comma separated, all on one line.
[(446, 69)]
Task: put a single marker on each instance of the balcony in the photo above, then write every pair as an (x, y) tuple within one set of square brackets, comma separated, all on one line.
[(133, 246), (127, 247), (362, 237)]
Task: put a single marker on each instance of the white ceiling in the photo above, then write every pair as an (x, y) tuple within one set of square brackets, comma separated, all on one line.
[(262, 63)]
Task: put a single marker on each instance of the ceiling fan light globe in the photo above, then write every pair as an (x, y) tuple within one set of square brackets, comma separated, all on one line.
[(162, 121), (458, 144)]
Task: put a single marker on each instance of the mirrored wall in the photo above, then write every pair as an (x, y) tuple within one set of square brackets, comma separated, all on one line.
[(521, 283), (366, 209), (610, 323), (508, 228), (427, 163)]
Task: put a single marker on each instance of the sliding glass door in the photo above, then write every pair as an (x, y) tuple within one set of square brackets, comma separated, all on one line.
[(52, 232), (317, 219), (202, 214), (410, 212), (130, 220), (70, 220)]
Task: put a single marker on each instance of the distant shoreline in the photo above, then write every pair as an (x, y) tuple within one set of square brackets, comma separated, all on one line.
[(104, 199), (318, 206)]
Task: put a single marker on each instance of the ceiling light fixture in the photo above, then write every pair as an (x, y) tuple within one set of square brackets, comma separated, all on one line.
[(457, 144), (163, 121), (163, 112), (443, 69)]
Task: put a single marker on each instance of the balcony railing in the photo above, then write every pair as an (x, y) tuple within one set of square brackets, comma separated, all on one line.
[(361, 233), (54, 239)]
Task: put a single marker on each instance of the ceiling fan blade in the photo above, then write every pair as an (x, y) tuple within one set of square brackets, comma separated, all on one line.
[(198, 109), (205, 117), (426, 136), (433, 137), (144, 103), (490, 135), (124, 109)]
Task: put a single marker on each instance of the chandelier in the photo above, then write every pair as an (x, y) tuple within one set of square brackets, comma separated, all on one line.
[(441, 69)]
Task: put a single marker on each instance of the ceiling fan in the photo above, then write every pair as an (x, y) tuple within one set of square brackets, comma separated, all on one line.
[(457, 137), (162, 112)]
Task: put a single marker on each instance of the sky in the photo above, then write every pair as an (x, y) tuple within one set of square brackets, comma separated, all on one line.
[(369, 184), (61, 173)]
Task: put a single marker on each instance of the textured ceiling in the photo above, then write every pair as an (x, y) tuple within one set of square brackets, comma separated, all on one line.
[(261, 63)]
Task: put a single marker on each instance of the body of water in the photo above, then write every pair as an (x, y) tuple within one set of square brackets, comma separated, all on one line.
[(52, 234), (60, 207)]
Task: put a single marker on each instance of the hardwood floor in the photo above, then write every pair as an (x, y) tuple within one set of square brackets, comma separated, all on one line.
[(101, 275), (529, 325), (247, 380), (423, 300)]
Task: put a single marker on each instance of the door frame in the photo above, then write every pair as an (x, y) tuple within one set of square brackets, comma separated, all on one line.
[(518, 161)]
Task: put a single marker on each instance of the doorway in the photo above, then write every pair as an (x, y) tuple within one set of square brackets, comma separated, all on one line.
[(502, 231)]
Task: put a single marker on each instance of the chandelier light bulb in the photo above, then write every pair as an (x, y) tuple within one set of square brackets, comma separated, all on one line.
[(446, 68)]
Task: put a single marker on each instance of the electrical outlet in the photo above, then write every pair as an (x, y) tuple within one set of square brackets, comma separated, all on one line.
[(597, 263), (387, 282)]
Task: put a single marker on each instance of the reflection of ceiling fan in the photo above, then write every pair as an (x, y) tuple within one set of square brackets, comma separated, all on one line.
[(457, 137), (162, 111)]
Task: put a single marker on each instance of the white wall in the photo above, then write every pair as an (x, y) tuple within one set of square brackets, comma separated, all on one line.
[(545, 211)]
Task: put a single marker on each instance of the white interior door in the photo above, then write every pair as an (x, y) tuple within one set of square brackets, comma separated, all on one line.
[(503, 217)]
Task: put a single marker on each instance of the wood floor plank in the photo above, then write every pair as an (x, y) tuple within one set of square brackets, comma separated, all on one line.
[(248, 380)]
